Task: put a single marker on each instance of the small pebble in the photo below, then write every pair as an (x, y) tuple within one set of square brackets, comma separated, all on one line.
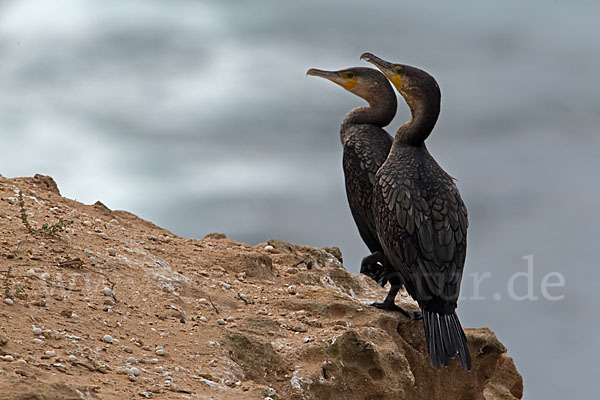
[(230, 319), (127, 349), (131, 360), (151, 361), (60, 367), (160, 351), (132, 378), (107, 339), (50, 353), (103, 236), (112, 252), (221, 322), (8, 358), (212, 363), (107, 291), (31, 272), (74, 316), (9, 301), (37, 331), (122, 370), (134, 371), (38, 341), (203, 319), (72, 358), (269, 247), (21, 362), (292, 289), (45, 275)]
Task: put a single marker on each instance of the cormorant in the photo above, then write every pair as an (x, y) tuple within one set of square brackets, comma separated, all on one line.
[(366, 146), (420, 218)]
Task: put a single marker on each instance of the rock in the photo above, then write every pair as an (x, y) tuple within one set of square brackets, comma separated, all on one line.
[(9, 301), (20, 388), (49, 354), (274, 320), (214, 236)]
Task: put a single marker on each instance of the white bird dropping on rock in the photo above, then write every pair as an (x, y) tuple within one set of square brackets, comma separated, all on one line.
[(107, 339)]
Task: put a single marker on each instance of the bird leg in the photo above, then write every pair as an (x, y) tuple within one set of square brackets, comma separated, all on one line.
[(389, 304), (372, 266)]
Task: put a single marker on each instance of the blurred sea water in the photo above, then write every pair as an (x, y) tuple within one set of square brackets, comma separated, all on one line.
[(197, 116)]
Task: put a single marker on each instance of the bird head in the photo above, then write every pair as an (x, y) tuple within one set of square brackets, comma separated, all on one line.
[(363, 82)]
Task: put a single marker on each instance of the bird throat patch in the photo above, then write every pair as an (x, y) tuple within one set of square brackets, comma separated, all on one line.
[(397, 81), (349, 84)]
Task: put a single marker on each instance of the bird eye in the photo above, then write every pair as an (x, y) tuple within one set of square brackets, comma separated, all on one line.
[(350, 75)]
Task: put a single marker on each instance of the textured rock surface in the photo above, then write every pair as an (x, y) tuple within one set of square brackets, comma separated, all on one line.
[(210, 318)]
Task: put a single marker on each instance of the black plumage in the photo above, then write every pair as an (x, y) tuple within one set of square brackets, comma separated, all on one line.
[(420, 218), (366, 146)]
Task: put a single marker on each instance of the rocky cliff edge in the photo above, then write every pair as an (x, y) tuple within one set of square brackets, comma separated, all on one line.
[(100, 304)]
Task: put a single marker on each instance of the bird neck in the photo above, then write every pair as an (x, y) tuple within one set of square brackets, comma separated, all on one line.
[(380, 112), (424, 114)]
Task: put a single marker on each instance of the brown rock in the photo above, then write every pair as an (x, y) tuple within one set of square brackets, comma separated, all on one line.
[(45, 182), (297, 324), (18, 388)]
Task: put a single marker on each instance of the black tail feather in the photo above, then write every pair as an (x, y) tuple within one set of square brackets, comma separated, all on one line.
[(445, 339)]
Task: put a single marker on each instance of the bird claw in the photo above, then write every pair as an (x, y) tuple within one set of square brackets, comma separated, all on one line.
[(412, 314)]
